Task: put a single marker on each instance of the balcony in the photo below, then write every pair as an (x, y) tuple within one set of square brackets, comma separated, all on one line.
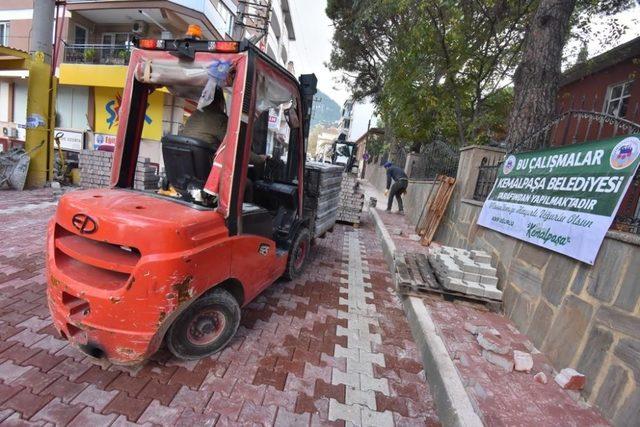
[(175, 15), (97, 54)]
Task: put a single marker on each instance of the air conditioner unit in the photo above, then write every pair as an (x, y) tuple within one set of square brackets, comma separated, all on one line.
[(140, 27), (10, 132)]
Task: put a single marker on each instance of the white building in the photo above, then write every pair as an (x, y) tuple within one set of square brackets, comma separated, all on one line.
[(356, 118)]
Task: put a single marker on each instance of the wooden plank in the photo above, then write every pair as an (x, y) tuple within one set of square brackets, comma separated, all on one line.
[(419, 225), (438, 208)]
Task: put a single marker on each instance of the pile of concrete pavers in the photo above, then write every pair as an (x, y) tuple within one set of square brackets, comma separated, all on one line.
[(467, 272), (95, 170), (351, 199), (322, 182)]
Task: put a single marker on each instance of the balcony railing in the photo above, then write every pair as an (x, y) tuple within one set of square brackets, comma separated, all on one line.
[(97, 54)]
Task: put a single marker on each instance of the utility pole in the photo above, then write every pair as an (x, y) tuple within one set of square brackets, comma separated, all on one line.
[(41, 95)]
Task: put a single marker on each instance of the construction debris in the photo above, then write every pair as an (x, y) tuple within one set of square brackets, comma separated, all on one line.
[(504, 362), (523, 362), (322, 194), (14, 165), (467, 272), (95, 170), (492, 343), (540, 377), (570, 379), (351, 199)]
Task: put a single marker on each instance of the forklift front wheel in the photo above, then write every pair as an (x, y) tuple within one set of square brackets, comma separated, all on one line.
[(205, 327), (298, 254)]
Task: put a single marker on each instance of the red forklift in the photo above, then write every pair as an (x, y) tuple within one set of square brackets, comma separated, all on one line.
[(129, 270)]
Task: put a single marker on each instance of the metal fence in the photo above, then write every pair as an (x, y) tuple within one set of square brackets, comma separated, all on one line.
[(628, 218), (440, 159), (97, 54), (576, 126), (487, 174)]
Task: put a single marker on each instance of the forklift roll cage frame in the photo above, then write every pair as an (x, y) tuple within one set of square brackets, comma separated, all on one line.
[(135, 101)]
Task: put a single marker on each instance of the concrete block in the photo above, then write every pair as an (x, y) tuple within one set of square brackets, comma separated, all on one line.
[(523, 362), (377, 419), (374, 384), (492, 293), (350, 379), (475, 289), (359, 397), (339, 411), (489, 280), (470, 277)]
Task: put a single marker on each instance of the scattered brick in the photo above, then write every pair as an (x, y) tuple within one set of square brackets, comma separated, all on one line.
[(570, 379)]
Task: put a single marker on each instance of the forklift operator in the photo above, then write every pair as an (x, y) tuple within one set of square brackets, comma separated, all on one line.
[(210, 124)]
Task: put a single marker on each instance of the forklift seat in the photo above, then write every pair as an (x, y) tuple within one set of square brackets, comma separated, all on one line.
[(187, 161)]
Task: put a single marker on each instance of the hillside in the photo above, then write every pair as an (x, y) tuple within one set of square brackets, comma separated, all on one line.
[(325, 110)]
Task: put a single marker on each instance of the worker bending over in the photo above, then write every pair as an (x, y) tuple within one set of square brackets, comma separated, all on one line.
[(400, 183)]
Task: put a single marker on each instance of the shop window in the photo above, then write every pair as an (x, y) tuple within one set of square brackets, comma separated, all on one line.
[(617, 99)]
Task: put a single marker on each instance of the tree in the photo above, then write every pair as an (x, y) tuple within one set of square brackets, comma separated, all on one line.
[(430, 65), (538, 74)]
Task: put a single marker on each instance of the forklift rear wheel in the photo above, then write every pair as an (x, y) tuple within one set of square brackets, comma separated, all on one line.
[(205, 327), (298, 254)]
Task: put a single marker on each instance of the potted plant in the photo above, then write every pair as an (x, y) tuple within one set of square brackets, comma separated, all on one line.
[(123, 56), (89, 55)]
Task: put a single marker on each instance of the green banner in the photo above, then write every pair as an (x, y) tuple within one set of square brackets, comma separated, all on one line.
[(550, 197)]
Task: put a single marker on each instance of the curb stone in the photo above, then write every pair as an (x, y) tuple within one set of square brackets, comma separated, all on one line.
[(453, 404)]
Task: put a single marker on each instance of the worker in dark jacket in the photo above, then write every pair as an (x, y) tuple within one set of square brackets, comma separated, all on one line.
[(400, 183)]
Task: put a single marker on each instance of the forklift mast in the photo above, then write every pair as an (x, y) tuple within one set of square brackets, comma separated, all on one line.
[(308, 88)]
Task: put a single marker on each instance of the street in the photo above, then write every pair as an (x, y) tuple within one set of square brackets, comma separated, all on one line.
[(330, 347)]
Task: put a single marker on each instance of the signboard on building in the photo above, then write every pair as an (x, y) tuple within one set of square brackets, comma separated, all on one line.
[(274, 119), (563, 199), (103, 140), (70, 140), (107, 101)]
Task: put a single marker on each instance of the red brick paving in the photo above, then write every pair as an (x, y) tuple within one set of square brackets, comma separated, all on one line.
[(502, 398), (277, 370)]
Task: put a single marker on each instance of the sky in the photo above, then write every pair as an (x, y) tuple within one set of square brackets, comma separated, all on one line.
[(312, 47), (314, 33)]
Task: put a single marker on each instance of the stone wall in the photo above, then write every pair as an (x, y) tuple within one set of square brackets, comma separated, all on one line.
[(581, 316)]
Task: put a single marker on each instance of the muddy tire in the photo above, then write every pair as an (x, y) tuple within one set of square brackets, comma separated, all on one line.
[(205, 327), (298, 254)]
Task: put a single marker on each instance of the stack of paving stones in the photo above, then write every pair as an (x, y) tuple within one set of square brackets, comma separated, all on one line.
[(351, 199), (95, 170), (147, 177), (322, 195), (467, 272)]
